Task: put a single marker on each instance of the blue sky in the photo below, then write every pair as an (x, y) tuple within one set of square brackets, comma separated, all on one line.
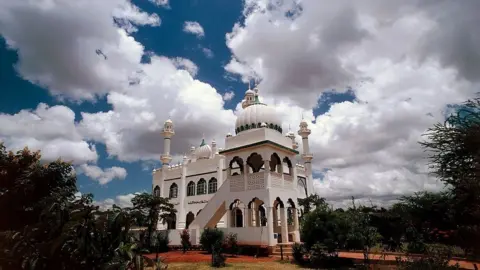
[(355, 139)]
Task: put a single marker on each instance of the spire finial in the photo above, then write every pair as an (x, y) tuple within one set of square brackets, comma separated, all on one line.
[(203, 140), (249, 82)]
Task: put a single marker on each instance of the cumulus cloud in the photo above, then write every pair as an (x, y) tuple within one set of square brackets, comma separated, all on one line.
[(402, 62), (228, 95), (131, 131), (72, 47), (49, 129), (108, 60), (208, 53), (186, 64), (103, 176), (193, 28), (162, 3), (120, 200)]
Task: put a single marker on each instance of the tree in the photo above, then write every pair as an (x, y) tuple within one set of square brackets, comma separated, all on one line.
[(48, 227), (361, 234), (454, 153), (185, 239), (312, 201), (148, 211), (326, 227)]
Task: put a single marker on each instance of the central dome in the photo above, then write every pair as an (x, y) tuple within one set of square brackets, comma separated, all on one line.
[(255, 114)]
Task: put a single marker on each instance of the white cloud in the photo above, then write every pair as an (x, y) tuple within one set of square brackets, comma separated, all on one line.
[(208, 53), (186, 64), (370, 146), (120, 200), (86, 54), (49, 129), (162, 3), (227, 96), (194, 28), (131, 131), (107, 60), (103, 176)]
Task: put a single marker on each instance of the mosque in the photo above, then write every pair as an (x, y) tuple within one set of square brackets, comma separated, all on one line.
[(249, 188)]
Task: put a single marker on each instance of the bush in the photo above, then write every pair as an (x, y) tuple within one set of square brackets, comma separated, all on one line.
[(185, 236), (298, 252), (161, 242), (232, 244), (209, 238), (218, 259), (436, 257)]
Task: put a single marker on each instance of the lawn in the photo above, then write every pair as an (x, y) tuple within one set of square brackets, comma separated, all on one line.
[(235, 265)]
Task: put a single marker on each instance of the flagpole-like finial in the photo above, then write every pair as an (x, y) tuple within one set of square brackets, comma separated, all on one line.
[(249, 83)]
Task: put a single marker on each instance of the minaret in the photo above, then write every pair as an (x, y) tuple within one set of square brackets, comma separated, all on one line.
[(214, 148), (291, 135), (167, 134), (307, 157)]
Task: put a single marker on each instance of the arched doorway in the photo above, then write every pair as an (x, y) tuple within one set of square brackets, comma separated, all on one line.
[(171, 222), (189, 219), (238, 217)]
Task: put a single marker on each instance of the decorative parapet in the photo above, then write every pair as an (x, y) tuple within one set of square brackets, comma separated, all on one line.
[(256, 181), (307, 156), (237, 183), (276, 179)]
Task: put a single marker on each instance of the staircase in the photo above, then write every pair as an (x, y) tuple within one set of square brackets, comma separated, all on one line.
[(214, 210), (287, 251)]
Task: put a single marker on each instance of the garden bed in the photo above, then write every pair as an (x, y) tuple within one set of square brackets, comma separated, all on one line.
[(202, 256)]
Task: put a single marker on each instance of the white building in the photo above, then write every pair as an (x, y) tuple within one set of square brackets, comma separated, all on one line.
[(249, 188)]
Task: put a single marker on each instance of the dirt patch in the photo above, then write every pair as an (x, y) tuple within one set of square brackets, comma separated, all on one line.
[(201, 256)]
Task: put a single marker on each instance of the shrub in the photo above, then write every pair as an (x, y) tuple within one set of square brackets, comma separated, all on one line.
[(218, 259), (437, 257), (211, 237), (318, 255), (232, 244), (185, 236), (298, 252), (161, 242)]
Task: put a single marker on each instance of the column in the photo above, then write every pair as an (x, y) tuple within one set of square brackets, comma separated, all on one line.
[(296, 227), (220, 175), (267, 178), (181, 215), (229, 218), (271, 240), (258, 222), (245, 176), (284, 224), (275, 218)]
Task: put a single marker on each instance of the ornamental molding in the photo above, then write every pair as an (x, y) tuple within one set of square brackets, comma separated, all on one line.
[(197, 202)]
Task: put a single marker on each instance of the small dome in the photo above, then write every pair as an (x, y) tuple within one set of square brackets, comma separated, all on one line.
[(250, 92), (229, 134), (263, 124), (290, 134), (204, 151)]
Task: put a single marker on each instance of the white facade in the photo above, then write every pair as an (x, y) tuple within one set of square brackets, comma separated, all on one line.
[(254, 180)]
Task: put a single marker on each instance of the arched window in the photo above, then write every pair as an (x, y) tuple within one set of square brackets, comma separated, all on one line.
[(212, 186), (201, 187), (156, 191), (173, 193), (191, 189), (189, 219)]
